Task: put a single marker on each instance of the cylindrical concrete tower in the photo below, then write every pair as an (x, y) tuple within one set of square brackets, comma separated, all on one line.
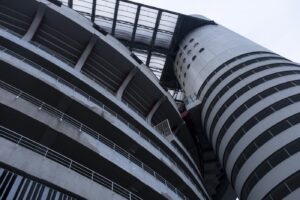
[(250, 109)]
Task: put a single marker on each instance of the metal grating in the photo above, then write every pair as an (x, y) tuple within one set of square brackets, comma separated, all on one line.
[(151, 33)]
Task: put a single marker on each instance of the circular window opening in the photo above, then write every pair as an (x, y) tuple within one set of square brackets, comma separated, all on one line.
[(183, 84), (185, 46), (180, 68), (180, 54), (195, 45), (189, 65), (202, 49), (177, 62), (194, 57), (191, 40), (189, 52), (184, 74), (184, 60)]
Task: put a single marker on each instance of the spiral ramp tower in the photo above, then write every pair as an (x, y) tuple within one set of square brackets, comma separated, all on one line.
[(78, 111), (245, 99)]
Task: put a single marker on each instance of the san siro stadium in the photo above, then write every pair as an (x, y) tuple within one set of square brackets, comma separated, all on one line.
[(112, 99)]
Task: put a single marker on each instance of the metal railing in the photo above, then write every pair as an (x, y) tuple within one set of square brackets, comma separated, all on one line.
[(113, 93), (85, 129), (164, 128), (152, 126), (97, 102), (67, 162), (190, 99), (100, 104), (69, 63), (51, 52)]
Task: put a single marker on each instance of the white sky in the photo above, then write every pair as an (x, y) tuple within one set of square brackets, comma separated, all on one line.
[(274, 24)]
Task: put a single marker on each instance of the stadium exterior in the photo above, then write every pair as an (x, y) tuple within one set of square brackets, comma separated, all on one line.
[(83, 115)]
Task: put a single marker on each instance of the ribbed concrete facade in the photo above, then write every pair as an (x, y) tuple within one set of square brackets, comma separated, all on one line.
[(78, 112), (249, 99)]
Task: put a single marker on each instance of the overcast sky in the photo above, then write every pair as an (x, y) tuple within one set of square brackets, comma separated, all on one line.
[(274, 24)]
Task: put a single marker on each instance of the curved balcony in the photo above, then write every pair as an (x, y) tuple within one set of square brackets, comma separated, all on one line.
[(68, 163), (113, 113), (83, 52), (123, 53), (83, 129), (95, 103)]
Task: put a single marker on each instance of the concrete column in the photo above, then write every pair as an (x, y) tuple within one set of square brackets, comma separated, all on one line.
[(125, 83), (35, 23), (85, 54), (154, 109)]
